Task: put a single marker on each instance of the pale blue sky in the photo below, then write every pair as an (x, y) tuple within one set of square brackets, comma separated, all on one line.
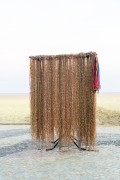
[(35, 27)]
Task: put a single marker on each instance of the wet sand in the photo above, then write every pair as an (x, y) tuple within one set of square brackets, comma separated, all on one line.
[(20, 158)]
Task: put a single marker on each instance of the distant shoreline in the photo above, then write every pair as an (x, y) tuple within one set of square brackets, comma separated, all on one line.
[(13, 94), (3, 94)]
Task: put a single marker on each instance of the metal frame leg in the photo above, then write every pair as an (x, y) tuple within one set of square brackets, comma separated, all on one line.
[(57, 141), (79, 146)]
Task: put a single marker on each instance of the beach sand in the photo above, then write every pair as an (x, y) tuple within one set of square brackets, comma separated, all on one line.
[(21, 158), (108, 109), (15, 109)]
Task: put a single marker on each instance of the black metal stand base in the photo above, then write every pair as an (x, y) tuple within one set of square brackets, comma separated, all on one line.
[(56, 142)]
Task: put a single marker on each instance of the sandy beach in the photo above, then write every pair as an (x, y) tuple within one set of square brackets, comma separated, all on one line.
[(21, 158), (15, 109), (108, 109)]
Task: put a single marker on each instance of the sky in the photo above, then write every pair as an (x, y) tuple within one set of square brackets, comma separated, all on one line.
[(41, 27)]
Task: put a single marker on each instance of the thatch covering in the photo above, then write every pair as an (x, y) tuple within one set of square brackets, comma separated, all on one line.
[(63, 98)]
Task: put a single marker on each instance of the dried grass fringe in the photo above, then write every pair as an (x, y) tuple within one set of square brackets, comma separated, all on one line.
[(63, 103)]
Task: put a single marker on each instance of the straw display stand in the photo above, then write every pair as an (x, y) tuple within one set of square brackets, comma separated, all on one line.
[(62, 99)]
